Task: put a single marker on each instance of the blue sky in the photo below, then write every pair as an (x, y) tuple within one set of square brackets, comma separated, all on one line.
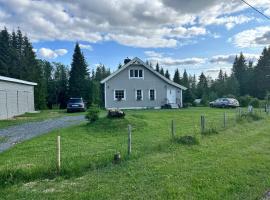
[(196, 35)]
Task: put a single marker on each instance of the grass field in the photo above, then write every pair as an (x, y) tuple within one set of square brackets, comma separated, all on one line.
[(233, 164), (32, 117)]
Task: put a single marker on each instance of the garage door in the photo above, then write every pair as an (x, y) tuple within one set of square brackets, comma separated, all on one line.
[(3, 105)]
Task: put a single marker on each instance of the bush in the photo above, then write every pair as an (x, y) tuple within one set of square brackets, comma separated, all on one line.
[(92, 114), (255, 102), (187, 140), (249, 117), (248, 100), (116, 114)]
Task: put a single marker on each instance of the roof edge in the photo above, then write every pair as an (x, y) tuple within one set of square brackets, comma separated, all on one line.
[(148, 67), (14, 80)]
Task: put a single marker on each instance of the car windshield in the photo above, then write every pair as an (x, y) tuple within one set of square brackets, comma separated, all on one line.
[(75, 101)]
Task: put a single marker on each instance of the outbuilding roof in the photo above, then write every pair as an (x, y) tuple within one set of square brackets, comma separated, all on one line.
[(14, 80), (136, 60)]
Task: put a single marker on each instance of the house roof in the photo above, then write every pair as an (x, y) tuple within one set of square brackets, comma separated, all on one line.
[(136, 60), (14, 80)]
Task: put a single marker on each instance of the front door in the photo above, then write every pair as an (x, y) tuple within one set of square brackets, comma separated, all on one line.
[(171, 95)]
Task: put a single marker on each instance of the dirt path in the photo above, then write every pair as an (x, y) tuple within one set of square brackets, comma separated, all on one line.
[(18, 133)]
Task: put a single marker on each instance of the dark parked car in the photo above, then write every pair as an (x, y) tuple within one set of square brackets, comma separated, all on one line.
[(224, 103), (76, 104)]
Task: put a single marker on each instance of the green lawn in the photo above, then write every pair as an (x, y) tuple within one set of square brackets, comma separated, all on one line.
[(233, 164), (31, 117)]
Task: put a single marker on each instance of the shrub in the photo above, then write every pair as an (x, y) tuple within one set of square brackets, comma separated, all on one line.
[(92, 114), (187, 140), (249, 117), (116, 114), (255, 102)]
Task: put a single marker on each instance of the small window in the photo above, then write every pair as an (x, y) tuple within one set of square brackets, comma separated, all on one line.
[(152, 95), (140, 73), (138, 95), (135, 73), (131, 73), (119, 95)]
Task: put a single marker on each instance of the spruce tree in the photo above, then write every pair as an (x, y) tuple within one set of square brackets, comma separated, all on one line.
[(176, 77), (157, 67), (239, 70), (161, 71), (185, 81), (262, 74), (167, 75), (79, 76), (4, 52)]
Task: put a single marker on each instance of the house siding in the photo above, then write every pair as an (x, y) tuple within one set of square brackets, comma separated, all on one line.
[(150, 81), (15, 99)]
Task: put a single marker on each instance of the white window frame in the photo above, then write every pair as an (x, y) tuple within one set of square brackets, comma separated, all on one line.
[(133, 69), (125, 97), (155, 94), (136, 94)]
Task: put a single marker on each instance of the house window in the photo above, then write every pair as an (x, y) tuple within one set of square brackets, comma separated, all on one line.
[(119, 95), (136, 73), (139, 95), (152, 95)]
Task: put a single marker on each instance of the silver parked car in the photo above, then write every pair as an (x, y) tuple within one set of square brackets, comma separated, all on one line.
[(224, 103), (76, 104)]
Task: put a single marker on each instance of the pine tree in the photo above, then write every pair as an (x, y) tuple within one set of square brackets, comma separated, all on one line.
[(78, 75), (157, 67), (61, 82), (261, 74), (176, 77), (202, 87), (167, 75), (185, 81), (161, 71), (4, 52), (239, 71)]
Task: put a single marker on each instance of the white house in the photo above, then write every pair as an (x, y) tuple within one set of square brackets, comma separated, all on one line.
[(16, 97), (136, 85)]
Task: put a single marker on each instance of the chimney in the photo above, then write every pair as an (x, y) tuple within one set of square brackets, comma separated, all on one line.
[(126, 60)]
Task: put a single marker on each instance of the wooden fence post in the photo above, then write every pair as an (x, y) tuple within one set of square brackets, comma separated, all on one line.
[(173, 130), (224, 120), (202, 124), (129, 139), (58, 154)]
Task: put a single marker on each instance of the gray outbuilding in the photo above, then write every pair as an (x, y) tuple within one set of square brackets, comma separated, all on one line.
[(137, 86), (16, 97)]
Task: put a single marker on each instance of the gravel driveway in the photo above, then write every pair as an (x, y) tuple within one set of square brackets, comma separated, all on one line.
[(22, 132)]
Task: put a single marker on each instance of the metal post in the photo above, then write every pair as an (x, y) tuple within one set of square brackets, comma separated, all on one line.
[(58, 154), (224, 120), (202, 124), (173, 129), (129, 139)]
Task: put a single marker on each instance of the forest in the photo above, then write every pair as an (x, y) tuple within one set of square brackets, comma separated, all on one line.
[(248, 82)]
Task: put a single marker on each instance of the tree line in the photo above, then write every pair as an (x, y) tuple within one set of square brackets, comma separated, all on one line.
[(58, 82), (246, 79)]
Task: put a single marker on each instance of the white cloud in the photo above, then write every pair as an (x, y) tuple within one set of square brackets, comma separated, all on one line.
[(51, 54), (169, 61), (137, 23), (86, 46), (61, 52), (256, 37), (229, 58)]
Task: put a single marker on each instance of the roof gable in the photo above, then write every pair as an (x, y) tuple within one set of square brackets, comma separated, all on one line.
[(139, 61)]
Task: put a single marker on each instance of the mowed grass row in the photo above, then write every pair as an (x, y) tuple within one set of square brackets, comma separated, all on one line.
[(232, 164)]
